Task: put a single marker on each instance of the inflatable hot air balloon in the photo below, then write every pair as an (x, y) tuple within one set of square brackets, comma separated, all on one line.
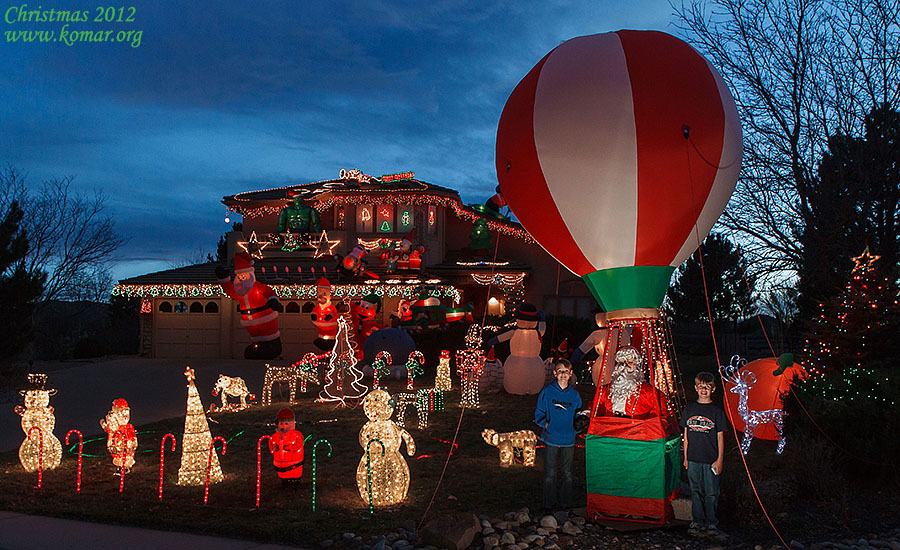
[(618, 152)]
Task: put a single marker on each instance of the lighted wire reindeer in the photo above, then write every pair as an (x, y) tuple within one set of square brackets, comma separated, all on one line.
[(743, 381)]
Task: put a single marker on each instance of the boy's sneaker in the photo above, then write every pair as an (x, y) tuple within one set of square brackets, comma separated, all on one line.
[(716, 533), (695, 530)]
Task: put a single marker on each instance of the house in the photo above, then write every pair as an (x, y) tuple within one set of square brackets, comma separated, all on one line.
[(358, 244)]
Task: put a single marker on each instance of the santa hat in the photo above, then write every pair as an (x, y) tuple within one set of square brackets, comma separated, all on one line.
[(563, 347), (242, 263), (120, 403), (323, 283), (408, 238), (490, 355), (527, 312), (445, 354), (285, 414)]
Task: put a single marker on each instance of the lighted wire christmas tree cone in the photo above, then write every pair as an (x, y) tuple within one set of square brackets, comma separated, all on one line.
[(38, 452), (342, 378), (385, 474), (195, 454)]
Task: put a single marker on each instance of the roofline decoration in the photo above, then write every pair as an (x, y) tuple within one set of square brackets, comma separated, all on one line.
[(333, 193), (388, 288)]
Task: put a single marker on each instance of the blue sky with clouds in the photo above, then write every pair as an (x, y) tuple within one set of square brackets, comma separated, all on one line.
[(224, 97)]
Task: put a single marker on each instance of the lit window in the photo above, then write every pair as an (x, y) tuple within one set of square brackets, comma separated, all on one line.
[(384, 218)]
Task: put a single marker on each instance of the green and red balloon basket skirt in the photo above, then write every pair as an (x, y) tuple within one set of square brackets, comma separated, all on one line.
[(633, 468)]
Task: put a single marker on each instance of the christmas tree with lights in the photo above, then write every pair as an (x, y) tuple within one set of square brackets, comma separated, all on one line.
[(480, 238), (854, 334), (342, 379), (195, 444)]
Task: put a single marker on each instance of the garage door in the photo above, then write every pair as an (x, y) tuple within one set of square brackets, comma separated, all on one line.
[(187, 329)]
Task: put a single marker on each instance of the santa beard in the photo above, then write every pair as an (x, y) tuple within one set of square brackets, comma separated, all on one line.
[(624, 386), (243, 287)]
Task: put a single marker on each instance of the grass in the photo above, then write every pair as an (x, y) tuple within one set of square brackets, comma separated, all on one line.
[(474, 480)]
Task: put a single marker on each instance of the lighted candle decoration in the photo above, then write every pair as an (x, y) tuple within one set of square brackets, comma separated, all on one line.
[(442, 381), (415, 366), (80, 454), (381, 366), (162, 459), (388, 474), (44, 452), (316, 444), (196, 442), (470, 365)]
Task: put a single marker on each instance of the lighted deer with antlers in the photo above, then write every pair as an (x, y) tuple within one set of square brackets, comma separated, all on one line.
[(743, 381)]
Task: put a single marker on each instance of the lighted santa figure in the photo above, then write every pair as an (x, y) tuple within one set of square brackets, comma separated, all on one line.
[(324, 316), (258, 306), (628, 394), (365, 316), (403, 318), (121, 440), (286, 446)]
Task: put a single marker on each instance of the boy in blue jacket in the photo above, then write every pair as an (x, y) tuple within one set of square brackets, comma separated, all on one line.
[(555, 413)]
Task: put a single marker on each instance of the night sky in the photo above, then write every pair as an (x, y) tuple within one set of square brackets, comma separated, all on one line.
[(224, 97)]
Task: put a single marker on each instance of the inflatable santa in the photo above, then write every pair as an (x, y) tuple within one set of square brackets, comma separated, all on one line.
[(258, 306), (628, 394), (324, 316)]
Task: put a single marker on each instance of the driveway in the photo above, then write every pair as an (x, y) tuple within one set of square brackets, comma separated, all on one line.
[(154, 388)]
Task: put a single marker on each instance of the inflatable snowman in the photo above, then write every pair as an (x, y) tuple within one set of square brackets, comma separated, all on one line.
[(524, 370)]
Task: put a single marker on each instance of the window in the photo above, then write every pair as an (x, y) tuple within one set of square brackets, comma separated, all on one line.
[(212, 307), (405, 219), (384, 218), (292, 307), (364, 218), (432, 219), (181, 307), (165, 307), (196, 307)]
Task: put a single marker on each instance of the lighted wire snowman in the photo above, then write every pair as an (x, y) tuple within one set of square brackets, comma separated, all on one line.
[(385, 474), (41, 448)]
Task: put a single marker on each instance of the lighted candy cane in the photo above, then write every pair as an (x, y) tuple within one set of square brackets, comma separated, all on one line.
[(316, 444), (259, 464), (40, 452), (80, 448), (212, 447), (369, 472), (162, 452), (380, 366), (122, 475), (415, 365)]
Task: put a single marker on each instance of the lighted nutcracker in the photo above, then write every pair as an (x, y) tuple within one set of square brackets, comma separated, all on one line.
[(121, 439), (324, 316), (258, 305), (287, 448)]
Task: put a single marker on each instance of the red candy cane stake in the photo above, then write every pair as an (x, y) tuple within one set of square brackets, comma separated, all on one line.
[(80, 448), (122, 475), (162, 452), (212, 446), (40, 453), (259, 464)]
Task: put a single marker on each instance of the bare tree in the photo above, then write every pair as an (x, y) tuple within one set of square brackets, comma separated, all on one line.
[(71, 236), (800, 71)]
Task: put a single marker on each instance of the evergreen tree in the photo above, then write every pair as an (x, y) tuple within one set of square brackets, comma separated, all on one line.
[(222, 246), (729, 295), (853, 202), (858, 328), (480, 238), (19, 289)]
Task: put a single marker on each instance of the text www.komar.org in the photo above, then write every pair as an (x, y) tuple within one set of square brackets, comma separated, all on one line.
[(65, 33)]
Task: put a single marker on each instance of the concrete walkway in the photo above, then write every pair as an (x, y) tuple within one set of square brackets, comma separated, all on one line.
[(21, 532), (154, 388)]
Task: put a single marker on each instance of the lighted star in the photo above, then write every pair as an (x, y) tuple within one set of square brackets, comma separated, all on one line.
[(254, 246), (865, 260), (324, 246), (189, 373)]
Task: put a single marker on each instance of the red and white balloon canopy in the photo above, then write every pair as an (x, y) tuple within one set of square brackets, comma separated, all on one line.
[(618, 152)]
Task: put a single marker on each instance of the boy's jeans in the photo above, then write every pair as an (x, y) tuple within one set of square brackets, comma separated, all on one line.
[(704, 494), (565, 456)]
